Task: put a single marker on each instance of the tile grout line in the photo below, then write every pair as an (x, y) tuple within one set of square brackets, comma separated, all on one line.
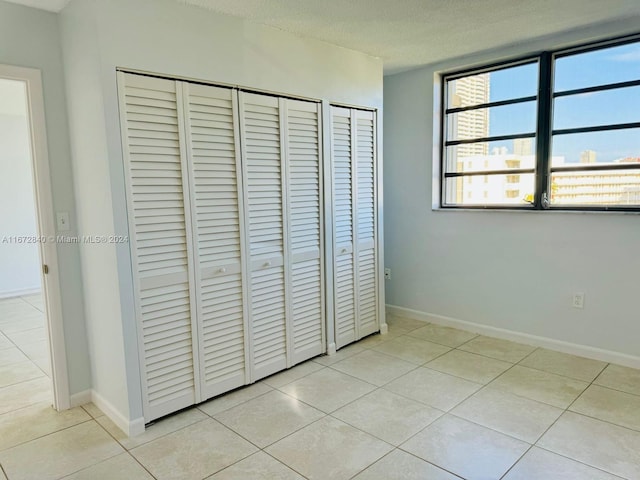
[(22, 297), (68, 428), (288, 466), (233, 432), (582, 463), (126, 450), (615, 389), (494, 358), (560, 374), (565, 410), (26, 355), (535, 444), (39, 437), (484, 386), (413, 338), (517, 461), (274, 442), (42, 374), (430, 463), (199, 405)]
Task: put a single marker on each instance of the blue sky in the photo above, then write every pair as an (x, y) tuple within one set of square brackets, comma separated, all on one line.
[(611, 65)]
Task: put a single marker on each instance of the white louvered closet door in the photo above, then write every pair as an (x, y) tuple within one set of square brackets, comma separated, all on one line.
[(301, 121), (265, 214), (216, 204), (343, 208), (159, 225), (365, 161), (355, 231)]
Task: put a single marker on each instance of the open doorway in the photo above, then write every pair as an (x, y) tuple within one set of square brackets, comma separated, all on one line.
[(32, 359), (25, 365)]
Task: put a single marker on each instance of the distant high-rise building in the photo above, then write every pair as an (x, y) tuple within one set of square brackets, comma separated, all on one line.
[(523, 146), (463, 92), (499, 150), (588, 156)]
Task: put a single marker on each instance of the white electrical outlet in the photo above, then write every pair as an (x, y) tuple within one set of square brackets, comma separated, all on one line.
[(578, 300), (387, 274)]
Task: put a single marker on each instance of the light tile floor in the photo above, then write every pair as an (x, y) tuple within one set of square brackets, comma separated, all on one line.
[(24, 357), (422, 402)]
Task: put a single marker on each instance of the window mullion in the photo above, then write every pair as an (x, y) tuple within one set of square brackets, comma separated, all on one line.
[(543, 147)]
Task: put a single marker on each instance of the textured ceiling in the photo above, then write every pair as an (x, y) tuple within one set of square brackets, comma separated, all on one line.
[(409, 33)]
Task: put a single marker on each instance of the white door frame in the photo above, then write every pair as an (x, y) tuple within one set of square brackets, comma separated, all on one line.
[(46, 229)]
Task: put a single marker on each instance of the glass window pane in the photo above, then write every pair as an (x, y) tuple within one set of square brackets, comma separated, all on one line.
[(612, 146), (621, 105), (597, 188), (598, 67), (494, 121), (516, 190), (504, 84), (473, 157)]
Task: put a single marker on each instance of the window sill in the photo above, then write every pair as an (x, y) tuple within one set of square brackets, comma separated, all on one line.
[(529, 211)]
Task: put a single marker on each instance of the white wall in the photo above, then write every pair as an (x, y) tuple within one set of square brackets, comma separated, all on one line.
[(510, 270), (30, 38), (165, 37), (20, 271)]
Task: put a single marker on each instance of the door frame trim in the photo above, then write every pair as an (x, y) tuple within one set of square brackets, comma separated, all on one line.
[(45, 215)]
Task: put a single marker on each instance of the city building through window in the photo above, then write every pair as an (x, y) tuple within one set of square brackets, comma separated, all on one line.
[(555, 130)]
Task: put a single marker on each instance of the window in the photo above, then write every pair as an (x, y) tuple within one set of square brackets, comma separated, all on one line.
[(556, 130)]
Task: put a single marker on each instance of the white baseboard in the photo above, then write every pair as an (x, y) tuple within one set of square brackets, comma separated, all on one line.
[(130, 427), (80, 398), (514, 336), (19, 293)]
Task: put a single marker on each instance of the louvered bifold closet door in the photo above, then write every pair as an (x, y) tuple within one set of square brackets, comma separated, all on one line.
[(216, 204), (343, 226), (353, 146), (265, 214), (365, 161), (159, 225), (305, 252)]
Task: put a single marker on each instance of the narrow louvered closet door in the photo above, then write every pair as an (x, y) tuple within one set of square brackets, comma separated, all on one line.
[(265, 214), (355, 231), (216, 203), (306, 299), (343, 208), (159, 225), (366, 223)]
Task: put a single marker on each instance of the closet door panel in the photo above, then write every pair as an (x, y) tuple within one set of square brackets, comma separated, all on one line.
[(159, 228), (355, 228), (343, 208), (303, 153), (262, 171), (366, 222), (214, 168)]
